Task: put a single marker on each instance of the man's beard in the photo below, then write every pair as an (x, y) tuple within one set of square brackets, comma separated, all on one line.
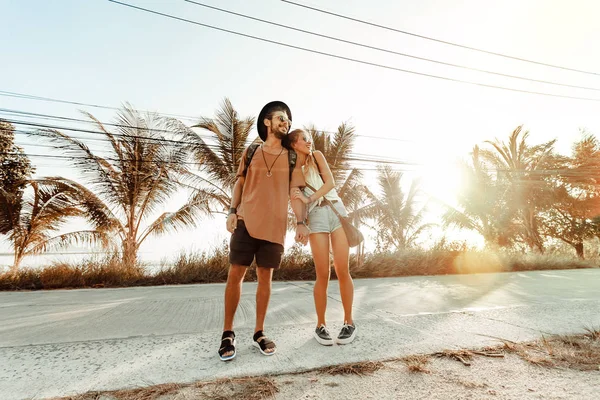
[(279, 135)]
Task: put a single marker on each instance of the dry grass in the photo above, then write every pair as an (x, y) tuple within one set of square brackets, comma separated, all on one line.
[(417, 363), (580, 352), (83, 396), (359, 368), (205, 267), (464, 356), (103, 272), (251, 388), (442, 261), (297, 264), (148, 393)]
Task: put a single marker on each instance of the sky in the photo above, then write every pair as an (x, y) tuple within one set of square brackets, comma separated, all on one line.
[(99, 52)]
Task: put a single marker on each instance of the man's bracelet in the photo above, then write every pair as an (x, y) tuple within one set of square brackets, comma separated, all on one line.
[(232, 210), (301, 223)]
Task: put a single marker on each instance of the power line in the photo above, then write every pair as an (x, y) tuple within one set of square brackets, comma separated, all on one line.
[(438, 40), (72, 158), (51, 117), (357, 157), (47, 116), (391, 51), (352, 157), (40, 98), (566, 172), (352, 59)]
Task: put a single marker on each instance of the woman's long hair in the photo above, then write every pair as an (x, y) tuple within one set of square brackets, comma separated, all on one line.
[(292, 138)]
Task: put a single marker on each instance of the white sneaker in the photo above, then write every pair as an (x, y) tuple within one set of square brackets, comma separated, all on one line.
[(322, 336), (347, 334)]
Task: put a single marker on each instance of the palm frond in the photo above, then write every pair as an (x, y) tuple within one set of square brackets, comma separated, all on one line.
[(87, 238), (186, 216)]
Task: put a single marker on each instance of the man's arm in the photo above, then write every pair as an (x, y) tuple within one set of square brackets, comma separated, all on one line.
[(236, 199)]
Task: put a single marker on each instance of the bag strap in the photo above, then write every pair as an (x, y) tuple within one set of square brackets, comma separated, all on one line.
[(329, 203)]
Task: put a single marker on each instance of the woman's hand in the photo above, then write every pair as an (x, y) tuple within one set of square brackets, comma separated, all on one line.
[(297, 194)]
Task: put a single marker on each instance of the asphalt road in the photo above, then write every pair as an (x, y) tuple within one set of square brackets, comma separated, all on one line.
[(63, 342)]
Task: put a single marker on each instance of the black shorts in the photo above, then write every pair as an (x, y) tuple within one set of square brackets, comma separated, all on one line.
[(243, 248)]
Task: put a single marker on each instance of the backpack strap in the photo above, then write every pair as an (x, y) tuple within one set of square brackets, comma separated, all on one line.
[(292, 157), (249, 154)]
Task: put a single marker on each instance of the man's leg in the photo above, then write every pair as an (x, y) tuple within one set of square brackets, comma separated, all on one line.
[(263, 295), (233, 292)]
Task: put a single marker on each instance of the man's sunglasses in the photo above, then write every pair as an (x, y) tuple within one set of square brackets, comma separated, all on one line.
[(283, 119)]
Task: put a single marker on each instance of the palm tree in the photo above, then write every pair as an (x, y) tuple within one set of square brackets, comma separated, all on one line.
[(397, 214), (134, 182), (524, 169), (573, 216), (43, 212), (15, 172), (218, 162), (482, 205)]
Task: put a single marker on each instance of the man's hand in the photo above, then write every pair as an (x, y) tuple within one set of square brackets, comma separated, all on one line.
[(302, 233), (231, 222)]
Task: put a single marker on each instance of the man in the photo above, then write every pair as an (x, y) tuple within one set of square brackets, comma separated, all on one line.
[(258, 220)]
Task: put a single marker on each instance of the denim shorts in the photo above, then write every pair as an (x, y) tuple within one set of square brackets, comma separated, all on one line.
[(322, 219)]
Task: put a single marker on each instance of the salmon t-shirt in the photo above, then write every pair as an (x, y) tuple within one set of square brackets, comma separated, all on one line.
[(264, 205)]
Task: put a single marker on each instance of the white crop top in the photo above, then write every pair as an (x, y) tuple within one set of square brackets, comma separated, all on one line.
[(312, 177)]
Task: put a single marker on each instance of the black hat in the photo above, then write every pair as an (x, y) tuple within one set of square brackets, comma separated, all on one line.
[(260, 124)]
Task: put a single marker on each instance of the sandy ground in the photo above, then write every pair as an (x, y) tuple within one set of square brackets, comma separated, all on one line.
[(64, 343), (509, 377)]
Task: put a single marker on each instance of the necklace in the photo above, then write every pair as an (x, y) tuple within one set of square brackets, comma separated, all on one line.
[(269, 174)]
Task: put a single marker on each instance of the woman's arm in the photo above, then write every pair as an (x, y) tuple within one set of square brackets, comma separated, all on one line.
[(328, 182)]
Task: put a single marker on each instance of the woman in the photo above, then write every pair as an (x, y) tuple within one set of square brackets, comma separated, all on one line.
[(325, 229)]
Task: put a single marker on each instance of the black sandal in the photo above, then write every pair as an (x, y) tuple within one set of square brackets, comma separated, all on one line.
[(263, 344), (227, 346)]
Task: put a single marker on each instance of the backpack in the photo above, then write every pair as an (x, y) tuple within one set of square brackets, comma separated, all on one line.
[(292, 156)]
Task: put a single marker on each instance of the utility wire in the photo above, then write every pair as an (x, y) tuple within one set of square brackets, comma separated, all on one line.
[(587, 172), (50, 117), (196, 119), (353, 157), (72, 158), (355, 60), (391, 51), (439, 40), (40, 98)]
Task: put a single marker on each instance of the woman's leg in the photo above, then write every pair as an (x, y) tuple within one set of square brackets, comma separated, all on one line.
[(319, 246), (341, 255)]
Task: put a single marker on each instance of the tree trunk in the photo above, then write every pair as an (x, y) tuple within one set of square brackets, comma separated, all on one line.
[(17, 261), (579, 250), (129, 253)]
